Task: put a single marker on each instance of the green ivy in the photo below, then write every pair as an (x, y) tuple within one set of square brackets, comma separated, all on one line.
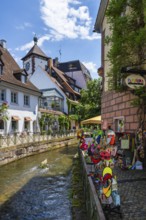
[(127, 19), (4, 111), (140, 98)]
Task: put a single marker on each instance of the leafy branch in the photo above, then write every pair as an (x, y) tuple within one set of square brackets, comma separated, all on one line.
[(127, 19)]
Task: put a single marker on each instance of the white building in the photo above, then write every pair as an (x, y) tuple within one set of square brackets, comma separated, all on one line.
[(50, 88), (20, 94), (56, 87)]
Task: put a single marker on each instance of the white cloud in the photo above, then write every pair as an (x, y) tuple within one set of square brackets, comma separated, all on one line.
[(42, 39), (30, 44), (67, 19), (92, 67), (27, 24), (25, 46), (17, 59), (23, 26), (75, 2)]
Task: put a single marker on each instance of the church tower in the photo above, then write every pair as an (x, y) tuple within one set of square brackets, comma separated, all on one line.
[(34, 58)]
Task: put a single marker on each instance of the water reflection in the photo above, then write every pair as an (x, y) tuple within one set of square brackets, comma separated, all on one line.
[(30, 193)]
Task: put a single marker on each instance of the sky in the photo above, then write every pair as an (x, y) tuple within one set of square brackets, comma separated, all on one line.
[(64, 29)]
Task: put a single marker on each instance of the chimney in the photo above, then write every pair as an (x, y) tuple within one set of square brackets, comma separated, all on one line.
[(50, 64), (56, 62), (3, 43)]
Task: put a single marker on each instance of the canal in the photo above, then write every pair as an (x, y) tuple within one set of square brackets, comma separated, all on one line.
[(28, 192)]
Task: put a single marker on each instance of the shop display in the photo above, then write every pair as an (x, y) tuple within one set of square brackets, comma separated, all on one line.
[(104, 154)]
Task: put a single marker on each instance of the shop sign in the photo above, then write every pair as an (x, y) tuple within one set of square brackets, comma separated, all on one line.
[(135, 81)]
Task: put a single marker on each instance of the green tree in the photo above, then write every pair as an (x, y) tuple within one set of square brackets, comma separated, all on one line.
[(90, 103), (61, 120), (64, 122), (3, 111), (140, 102), (127, 21), (46, 120)]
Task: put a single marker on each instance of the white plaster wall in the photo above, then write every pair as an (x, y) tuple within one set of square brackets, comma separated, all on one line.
[(21, 115), (21, 111), (40, 62), (42, 80)]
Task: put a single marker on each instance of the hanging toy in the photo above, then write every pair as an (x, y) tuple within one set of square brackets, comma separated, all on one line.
[(107, 181)]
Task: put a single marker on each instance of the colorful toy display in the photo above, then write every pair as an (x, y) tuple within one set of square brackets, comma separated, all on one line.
[(102, 152)]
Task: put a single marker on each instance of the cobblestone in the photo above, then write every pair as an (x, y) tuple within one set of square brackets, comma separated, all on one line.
[(132, 190)]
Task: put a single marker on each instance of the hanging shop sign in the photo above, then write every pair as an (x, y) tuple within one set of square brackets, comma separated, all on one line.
[(135, 81)]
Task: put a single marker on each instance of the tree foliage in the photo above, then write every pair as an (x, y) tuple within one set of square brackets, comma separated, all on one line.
[(140, 102), (3, 111), (127, 19), (90, 103)]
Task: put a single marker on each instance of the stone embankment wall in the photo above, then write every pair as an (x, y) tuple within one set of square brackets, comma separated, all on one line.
[(9, 154)]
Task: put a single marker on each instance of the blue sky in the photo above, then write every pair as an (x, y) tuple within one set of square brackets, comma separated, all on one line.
[(64, 29)]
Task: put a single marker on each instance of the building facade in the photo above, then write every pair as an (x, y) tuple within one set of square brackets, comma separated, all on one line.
[(77, 71), (59, 88), (19, 94), (116, 108)]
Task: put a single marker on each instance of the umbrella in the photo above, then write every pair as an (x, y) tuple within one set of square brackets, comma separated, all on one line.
[(94, 120)]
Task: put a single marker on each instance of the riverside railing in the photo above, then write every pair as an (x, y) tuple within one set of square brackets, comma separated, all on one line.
[(93, 206), (21, 139)]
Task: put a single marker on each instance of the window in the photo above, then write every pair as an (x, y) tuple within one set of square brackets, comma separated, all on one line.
[(26, 125), (1, 124), (2, 95), (14, 126), (72, 67), (26, 100), (119, 124), (14, 97), (23, 78), (1, 69)]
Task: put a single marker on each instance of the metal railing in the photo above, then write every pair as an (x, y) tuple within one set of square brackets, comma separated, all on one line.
[(93, 206), (21, 139)]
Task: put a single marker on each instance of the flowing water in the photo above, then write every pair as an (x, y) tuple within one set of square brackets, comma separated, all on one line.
[(28, 192)]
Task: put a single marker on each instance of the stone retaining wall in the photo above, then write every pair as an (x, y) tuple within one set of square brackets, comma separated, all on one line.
[(13, 153)]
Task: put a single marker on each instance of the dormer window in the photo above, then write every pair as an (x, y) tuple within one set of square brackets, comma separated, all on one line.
[(72, 67), (20, 75), (23, 78), (1, 70)]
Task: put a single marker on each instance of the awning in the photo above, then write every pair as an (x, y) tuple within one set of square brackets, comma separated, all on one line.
[(73, 102), (15, 118), (49, 111), (27, 119), (94, 120)]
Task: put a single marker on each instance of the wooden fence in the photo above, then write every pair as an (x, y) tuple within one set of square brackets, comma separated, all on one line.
[(16, 139)]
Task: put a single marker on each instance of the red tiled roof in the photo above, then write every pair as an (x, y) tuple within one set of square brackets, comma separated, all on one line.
[(65, 82), (10, 67)]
